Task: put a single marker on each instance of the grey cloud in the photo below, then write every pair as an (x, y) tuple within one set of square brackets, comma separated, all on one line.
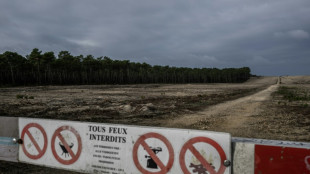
[(299, 34), (295, 34), (261, 34)]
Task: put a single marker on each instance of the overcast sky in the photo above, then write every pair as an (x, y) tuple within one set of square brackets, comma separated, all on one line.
[(272, 37)]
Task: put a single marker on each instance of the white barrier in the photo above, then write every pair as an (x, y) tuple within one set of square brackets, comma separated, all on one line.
[(118, 149), (8, 131)]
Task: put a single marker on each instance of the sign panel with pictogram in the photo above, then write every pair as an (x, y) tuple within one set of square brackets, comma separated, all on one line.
[(209, 159), (155, 161), (66, 145), (34, 141), (109, 148)]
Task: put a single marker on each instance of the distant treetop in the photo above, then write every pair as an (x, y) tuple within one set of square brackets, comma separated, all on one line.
[(39, 68)]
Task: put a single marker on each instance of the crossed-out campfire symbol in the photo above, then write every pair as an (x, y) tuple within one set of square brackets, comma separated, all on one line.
[(198, 167)]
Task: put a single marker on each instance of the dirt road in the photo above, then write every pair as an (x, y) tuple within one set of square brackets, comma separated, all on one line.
[(229, 116)]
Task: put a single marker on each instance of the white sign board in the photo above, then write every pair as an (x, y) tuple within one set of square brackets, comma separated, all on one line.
[(119, 149)]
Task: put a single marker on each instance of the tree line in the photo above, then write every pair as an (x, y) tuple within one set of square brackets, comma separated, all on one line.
[(39, 68)]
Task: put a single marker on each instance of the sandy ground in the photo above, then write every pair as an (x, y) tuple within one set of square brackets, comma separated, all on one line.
[(253, 109), (119, 103), (260, 115), (228, 116)]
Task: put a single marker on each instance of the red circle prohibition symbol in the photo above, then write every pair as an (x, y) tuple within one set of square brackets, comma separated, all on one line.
[(74, 156), (189, 145), (141, 141), (34, 142)]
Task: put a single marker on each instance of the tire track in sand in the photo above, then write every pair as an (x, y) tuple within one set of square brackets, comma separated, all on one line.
[(230, 116)]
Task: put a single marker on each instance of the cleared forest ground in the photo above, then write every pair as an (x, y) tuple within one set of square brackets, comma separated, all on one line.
[(256, 108), (134, 104), (251, 109)]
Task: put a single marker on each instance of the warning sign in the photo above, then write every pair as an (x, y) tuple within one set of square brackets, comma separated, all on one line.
[(35, 141), (209, 159), (120, 149), (154, 163), (66, 145)]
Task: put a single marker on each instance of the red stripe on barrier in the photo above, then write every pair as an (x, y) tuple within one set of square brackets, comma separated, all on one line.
[(284, 160)]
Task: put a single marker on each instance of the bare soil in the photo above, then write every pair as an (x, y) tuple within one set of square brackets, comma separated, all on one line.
[(133, 104), (252, 109), (264, 114)]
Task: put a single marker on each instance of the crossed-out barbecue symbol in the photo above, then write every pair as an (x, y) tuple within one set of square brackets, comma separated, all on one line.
[(64, 150)]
